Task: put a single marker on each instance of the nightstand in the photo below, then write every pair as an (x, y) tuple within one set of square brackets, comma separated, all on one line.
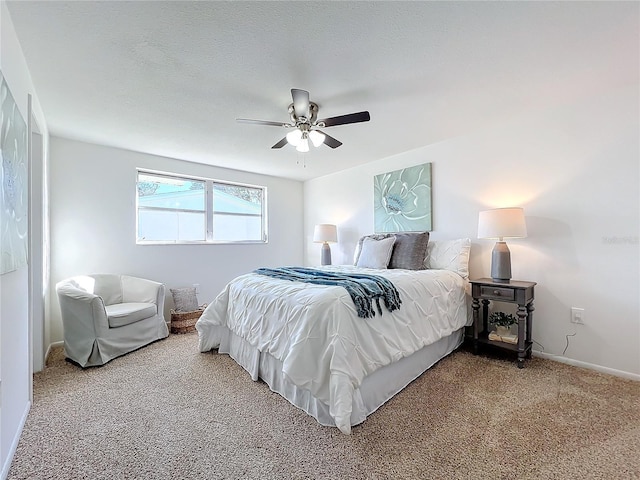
[(485, 290)]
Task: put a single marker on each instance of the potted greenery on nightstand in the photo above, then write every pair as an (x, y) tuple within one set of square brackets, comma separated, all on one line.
[(502, 321)]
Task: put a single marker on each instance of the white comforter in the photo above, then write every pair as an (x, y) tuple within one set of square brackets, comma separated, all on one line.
[(317, 335)]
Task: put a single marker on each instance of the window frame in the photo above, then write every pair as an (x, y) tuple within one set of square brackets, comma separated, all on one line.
[(208, 210)]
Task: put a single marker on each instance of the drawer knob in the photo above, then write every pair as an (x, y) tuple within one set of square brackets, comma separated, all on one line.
[(496, 293)]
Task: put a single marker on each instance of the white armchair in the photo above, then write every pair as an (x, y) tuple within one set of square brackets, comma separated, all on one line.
[(107, 315)]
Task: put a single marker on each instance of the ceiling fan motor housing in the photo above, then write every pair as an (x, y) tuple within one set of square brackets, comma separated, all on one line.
[(298, 120)]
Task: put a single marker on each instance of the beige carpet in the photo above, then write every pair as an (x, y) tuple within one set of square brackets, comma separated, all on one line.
[(169, 412)]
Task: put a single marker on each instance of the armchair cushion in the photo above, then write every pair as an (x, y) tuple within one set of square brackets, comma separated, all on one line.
[(109, 287), (121, 314)]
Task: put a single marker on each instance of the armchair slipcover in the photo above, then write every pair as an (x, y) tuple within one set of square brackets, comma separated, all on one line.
[(107, 315)]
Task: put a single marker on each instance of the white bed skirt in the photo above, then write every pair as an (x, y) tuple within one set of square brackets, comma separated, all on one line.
[(374, 391)]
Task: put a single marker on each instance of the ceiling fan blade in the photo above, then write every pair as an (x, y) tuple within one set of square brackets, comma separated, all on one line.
[(300, 102), (345, 119), (330, 141), (281, 143), (262, 122)]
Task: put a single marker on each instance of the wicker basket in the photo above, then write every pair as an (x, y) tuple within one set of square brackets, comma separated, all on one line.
[(185, 322)]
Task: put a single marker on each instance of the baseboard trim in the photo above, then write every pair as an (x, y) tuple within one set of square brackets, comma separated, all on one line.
[(14, 444), (51, 345), (590, 366)]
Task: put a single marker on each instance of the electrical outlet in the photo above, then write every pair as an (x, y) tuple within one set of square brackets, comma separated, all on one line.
[(577, 315), (197, 287)]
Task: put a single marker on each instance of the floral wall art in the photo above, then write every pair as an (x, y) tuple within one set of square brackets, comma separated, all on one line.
[(402, 200), (13, 198)]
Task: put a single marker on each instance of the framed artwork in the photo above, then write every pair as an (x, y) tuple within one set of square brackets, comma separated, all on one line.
[(402, 200), (14, 202)]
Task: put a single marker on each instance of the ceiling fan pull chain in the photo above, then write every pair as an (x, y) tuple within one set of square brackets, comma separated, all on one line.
[(302, 158)]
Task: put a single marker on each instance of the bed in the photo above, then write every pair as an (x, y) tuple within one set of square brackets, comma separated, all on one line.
[(308, 343)]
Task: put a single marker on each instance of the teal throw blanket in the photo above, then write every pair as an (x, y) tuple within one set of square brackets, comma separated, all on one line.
[(364, 289)]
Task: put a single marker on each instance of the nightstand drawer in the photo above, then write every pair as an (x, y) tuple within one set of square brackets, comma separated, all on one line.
[(506, 294)]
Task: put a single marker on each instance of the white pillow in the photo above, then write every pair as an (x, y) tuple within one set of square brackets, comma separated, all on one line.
[(375, 236), (376, 253), (449, 255)]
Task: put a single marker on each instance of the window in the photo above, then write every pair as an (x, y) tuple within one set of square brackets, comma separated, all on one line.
[(177, 209)]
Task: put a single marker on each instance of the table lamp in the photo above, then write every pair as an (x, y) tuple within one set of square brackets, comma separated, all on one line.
[(501, 223), (325, 233)]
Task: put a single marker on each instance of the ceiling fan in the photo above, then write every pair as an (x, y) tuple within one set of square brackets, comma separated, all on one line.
[(305, 123)]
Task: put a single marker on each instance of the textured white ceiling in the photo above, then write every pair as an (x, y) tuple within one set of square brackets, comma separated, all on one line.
[(170, 78)]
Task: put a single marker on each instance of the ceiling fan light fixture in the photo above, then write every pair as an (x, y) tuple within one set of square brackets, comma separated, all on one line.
[(303, 147), (317, 138), (294, 137)]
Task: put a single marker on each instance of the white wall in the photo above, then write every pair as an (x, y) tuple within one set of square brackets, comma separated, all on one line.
[(575, 170), (14, 286), (93, 191)]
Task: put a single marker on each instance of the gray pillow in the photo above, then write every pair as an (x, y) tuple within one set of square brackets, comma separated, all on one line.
[(376, 253), (185, 299), (409, 251)]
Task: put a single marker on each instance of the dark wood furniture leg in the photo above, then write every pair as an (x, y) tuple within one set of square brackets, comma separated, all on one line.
[(485, 315), (530, 309), (522, 334), (475, 305)]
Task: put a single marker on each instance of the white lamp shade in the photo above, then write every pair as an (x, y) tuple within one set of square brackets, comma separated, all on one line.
[(325, 232), (502, 223), (317, 138), (303, 146), (294, 137)]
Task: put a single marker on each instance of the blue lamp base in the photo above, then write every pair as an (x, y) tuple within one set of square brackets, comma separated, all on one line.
[(326, 254), (501, 263)]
